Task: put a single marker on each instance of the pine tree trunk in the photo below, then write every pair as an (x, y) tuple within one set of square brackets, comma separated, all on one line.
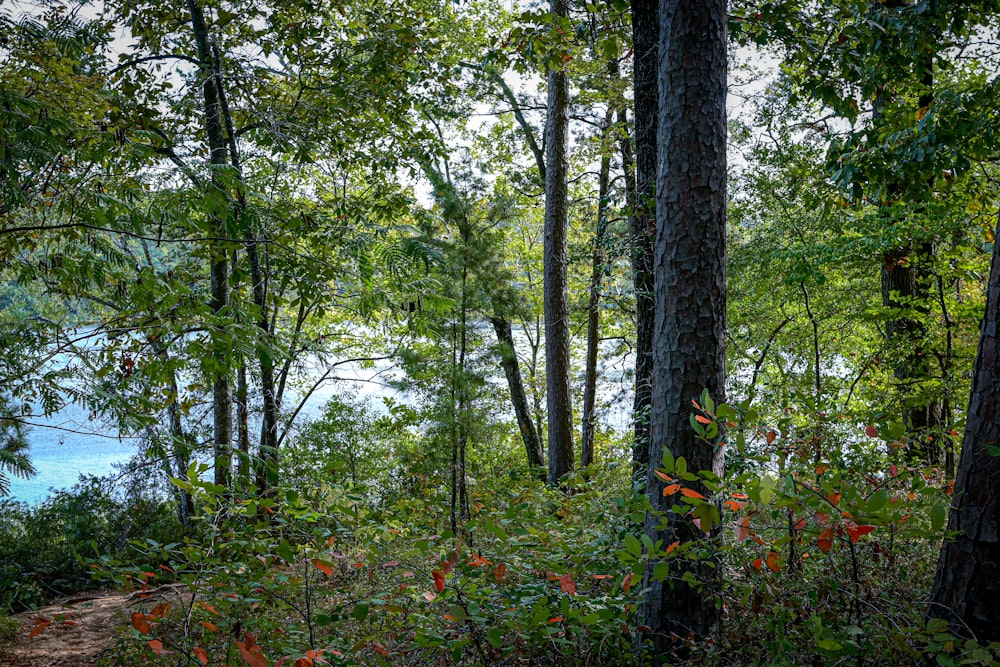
[(967, 585), (557, 331), (645, 36), (690, 288)]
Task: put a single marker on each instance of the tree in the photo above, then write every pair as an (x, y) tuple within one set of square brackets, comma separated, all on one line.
[(966, 588), (559, 392), (690, 289), (645, 45)]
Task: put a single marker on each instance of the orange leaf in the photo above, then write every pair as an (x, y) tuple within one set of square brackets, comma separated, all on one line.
[(438, 580), (673, 545), (740, 496), (822, 468), (499, 571), (381, 650), (627, 582), (209, 608), (201, 654), (800, 524), (770, 436), (323, 567), (733, 505), (566, 584), (690, 493), (139, 622), (664, 476), (825, 541), (702, 420), (157, 647), (871, 431), (743, 529), (251, 652), (950, 489), (449, 617), (556, 619), (159, 611), (304, 662), (834, 499), (772, 561), (40, 625), (671, 489), (211, 627), (757, 564)]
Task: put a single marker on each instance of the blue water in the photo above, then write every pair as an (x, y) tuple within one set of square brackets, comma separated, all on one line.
[(69, 444), (65, 446)]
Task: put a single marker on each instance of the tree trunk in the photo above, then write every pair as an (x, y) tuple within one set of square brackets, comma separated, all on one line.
[(967, 585), (518, 397), (690, 288), (594, 308), (645, 36), (557, 333), (222, 394)]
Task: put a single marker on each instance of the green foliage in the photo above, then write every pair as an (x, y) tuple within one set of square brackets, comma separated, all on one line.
[(46, 551)]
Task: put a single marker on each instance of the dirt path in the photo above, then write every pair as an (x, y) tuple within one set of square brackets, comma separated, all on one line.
[(79, 629)]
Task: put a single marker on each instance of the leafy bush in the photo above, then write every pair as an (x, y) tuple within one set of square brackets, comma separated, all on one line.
[(46, 550)]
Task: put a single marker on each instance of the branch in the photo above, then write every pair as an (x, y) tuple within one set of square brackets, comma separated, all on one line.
[(146, 59)]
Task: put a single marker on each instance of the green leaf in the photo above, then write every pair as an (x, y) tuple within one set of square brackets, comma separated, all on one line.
[(938, 514), (361, 610), (632, 545)]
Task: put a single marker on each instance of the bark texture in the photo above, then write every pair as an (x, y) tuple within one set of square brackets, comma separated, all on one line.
[(645, 36), (557, 332), (690, 289), (967, 585)]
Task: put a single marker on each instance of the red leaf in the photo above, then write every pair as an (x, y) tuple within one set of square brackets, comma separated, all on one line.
[(871, 431), (627, 582), (757, 564), (702, 420), (323, 567), (893, 470), (381, 650), (825, 541), (800, 524), (855, 532), (772, 561), (673, 545), (743, 529), (671, 489), (40, 625), (770, 436), (689, 493), (139, 623), (251, 652), (302, 662), (438, 580), (201, 654), (566, 584)]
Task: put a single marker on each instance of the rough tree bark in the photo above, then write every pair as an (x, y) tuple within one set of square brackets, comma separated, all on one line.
[(967, 584), (690, 289), (645, 40), (557, 332)]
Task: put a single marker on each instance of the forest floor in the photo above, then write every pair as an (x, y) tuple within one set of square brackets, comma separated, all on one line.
[(71, 632)]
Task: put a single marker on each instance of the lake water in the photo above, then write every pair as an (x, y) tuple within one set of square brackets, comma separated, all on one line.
[(68, 444)]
